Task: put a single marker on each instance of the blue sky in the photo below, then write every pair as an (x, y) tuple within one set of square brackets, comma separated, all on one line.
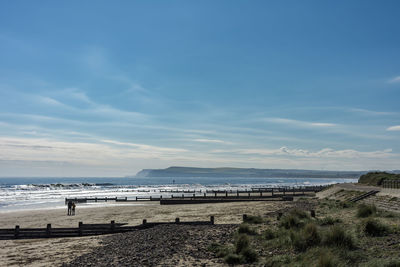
[(101, 88)]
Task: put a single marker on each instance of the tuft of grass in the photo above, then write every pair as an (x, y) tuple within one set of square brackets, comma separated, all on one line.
[(244, 228), (295, 218), (384, 263), (306, 238), (393, 263), (291, 221), (254, 219), (243, 252), (219, 250), (301, 214), (375, 228), (277, 260), (269, 234), (242, 243), (387, 214), (233, 259), (365, 210), (346, 204), (249, 255), (326, 259), (336, 236), (329, 221), (311, 234)]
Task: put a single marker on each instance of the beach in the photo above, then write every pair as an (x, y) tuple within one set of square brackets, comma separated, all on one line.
[(50, 252)]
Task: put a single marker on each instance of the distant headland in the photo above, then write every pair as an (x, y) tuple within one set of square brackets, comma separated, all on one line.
[(246, 172)]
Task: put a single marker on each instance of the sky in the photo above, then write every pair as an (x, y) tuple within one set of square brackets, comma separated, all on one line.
[(107, 88)]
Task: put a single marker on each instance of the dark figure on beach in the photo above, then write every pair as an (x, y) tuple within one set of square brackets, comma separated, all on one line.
[(73, 208), (69, 207)]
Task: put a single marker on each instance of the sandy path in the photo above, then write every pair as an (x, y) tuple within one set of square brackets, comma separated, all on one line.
[(50, 252)]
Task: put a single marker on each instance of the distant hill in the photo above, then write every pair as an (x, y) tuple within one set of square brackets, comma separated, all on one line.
[(376, 178), (245, 172)]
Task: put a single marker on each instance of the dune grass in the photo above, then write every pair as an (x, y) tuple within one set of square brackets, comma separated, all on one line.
[(342, 235), (365, 210)]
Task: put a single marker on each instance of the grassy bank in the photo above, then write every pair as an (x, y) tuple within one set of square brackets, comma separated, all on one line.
[(377, 178), (340, 234)]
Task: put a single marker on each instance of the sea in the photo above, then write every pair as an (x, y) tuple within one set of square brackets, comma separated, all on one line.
[(17, 194)]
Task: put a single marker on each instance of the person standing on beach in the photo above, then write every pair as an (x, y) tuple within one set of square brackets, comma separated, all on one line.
[(69, 207), (73, 209)]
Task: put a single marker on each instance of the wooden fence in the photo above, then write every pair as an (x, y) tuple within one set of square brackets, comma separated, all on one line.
[(391, 184), (86, 229)]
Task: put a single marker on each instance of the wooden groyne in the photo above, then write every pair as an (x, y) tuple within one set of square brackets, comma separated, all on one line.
[(212, 196), (86, 229)]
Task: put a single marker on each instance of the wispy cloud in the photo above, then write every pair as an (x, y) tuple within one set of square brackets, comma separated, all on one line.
[(92, 108), (148, 148), (299, 123), (93, 153), (212, 141), (371, 112), (395, 80), (394, 128), (304, 153)]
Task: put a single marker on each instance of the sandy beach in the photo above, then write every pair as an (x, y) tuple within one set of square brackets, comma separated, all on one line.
[(50, 252)]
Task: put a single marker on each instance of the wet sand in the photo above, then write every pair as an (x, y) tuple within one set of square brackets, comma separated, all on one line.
[(53, 252)]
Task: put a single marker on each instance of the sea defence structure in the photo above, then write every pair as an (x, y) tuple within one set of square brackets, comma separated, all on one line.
[(87, 229), (168, 197)]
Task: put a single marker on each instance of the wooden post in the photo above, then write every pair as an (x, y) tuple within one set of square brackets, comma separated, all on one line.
[(144, 221), (284, 191), (48, 230), (176, 220), (16, 232), (272, 192), (112, 226), (95, 199), (194, 195), (237, 193), (226, 193), (80, 230), (312, 212), (212, 219), (260, 193), (249, 194), (150, 197), (244, 217), (215, 194), (136, 198)]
